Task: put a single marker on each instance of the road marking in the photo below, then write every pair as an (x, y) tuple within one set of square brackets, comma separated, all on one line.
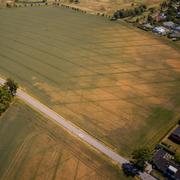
[(81, 135)]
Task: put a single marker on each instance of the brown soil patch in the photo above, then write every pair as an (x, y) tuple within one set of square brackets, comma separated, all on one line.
[(175, 64)]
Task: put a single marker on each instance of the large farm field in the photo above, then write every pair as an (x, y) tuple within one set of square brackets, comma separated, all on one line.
[(33, 147), (110, 6), (118, 83)]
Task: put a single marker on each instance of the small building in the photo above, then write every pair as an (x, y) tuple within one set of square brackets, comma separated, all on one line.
[(162, 161), (162, 16), (175, 36), (160, 30), (177, 28), (169, 24), (175, 135)]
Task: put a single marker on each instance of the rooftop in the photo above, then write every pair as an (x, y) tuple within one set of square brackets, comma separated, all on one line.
[(176, 132), (162, 160)]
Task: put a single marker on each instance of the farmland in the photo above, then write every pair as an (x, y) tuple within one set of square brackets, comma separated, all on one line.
[(116, 82), (33, 147), (110, 6)]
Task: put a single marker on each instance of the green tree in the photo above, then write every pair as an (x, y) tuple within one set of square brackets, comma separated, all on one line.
[(150, 19), (5, 99), (11, 86), (137, 20), (5, 96), (141, 156), (137, 11), (7, 91), (2, 108), (177, 158)]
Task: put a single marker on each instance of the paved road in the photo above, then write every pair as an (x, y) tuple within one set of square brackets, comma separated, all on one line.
[(70, 127)]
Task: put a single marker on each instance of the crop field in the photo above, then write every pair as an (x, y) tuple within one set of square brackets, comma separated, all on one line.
[(110, 6), (32, 147), (118, 83)]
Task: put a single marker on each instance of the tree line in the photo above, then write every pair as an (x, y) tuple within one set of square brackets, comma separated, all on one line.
[(122, 13), (7, 92)]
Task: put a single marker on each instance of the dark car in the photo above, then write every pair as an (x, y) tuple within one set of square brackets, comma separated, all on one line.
[(130, 169)]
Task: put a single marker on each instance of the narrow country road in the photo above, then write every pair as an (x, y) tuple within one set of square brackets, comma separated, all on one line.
[(70, 127)]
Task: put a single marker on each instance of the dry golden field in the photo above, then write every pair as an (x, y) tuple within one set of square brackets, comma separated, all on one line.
[(33, 147), (118, 83), (110, 6)]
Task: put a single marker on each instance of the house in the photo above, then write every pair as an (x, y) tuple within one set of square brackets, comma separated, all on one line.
[(160, 30), (162, 16), (174, 35), (162, 161), (169, 24), (175, 135)]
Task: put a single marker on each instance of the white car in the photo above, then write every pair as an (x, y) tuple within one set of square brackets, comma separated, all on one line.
[(160, 30)]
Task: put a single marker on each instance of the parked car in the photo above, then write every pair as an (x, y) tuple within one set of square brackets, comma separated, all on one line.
[(169, 24), (160, 30), (130, 170)]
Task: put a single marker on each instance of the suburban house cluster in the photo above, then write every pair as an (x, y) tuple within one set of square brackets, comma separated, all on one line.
[(168, 28), (166, 22), (164, 159)]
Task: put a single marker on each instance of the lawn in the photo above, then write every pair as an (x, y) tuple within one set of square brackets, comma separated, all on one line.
[(116, 82), (33, 147)]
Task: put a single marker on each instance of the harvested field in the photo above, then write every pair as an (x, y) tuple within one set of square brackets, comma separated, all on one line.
[(109, 6), (33, 147), (116, 82)]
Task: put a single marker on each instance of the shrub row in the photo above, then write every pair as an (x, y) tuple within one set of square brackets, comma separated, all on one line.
[(7, 92), (122, 13)]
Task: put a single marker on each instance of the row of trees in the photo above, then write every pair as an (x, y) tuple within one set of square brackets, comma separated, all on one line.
[(122, 13), (7, 92), (74, 1)]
